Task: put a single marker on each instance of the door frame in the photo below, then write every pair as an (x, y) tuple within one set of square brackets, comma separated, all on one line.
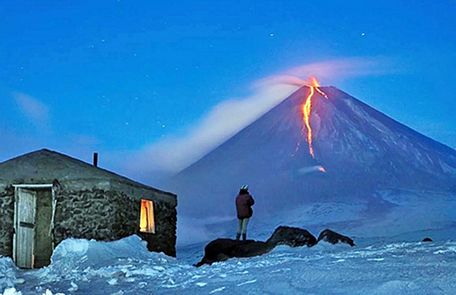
[(15, 226)]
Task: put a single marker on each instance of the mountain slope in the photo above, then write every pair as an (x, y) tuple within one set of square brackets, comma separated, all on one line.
[(358, 152)]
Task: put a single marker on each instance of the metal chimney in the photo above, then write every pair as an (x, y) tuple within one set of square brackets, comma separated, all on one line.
[(95, 159)]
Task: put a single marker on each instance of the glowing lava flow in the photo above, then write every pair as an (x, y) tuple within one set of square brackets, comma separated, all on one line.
[(307, 110), (315, 84)]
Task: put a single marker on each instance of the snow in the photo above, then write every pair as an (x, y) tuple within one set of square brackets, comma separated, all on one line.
[(191, 230), (394, 264), (406, 215), (12, 291), (7, 273), (388, 257)]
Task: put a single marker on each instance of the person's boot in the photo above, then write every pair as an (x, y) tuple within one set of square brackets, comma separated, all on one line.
[(238, 236), (244, 237)]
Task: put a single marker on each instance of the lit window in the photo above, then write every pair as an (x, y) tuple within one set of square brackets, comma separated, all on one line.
[(147, 221)]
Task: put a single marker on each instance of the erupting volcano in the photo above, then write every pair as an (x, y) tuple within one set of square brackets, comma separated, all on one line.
[(307, 110), (354, 154)]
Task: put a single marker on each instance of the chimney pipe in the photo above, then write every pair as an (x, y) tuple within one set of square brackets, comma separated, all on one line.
[(95, 159)]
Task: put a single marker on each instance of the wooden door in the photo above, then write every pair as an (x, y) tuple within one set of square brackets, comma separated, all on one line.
[(25, 227)]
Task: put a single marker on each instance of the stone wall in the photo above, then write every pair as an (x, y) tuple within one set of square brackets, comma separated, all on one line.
[(6, 221), (111, 215), (94, 214)]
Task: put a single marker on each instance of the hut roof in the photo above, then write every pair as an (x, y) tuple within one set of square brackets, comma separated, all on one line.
[(43, 166)]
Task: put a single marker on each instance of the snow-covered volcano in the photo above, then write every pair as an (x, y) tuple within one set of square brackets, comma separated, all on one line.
[(358, 152)]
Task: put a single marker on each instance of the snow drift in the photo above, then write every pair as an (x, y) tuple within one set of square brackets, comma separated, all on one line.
[(125, 267)]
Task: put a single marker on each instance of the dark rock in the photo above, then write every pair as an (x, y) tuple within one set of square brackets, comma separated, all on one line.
[(332, 237), (223, 249), (427, 239), (292, 236)]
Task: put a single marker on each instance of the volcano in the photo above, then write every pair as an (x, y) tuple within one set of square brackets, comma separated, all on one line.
[(352, 154)]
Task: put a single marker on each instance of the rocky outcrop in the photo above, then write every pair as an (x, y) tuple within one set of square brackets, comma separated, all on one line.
[(292, 236), (332, 237), (223, 249)]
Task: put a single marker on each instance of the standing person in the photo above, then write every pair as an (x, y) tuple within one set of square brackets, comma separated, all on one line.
[(244, 203)]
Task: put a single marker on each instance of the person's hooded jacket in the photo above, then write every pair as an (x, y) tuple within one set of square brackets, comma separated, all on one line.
[(244, 203)]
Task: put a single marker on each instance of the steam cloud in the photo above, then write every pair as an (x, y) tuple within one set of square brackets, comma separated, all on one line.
[(172, 154), (32, 108)]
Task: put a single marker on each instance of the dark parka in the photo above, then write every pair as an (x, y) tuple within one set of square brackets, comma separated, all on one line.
[(244, 201)]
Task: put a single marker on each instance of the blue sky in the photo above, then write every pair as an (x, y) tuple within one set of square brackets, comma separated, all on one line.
[(119, 76)]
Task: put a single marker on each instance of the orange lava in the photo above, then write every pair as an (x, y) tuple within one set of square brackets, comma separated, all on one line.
[(314, 83), (307, 110)]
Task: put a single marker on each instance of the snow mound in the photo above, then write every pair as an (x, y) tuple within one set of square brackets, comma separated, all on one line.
[(77, 265), (81, 251), (74, 255), (11, 291), (7, 274)]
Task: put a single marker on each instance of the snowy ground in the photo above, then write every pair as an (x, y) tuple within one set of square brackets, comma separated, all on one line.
[(388, 259), (125, 267), (400, 215)]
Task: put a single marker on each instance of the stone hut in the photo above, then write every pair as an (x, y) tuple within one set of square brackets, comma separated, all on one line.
[(46, 197)]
